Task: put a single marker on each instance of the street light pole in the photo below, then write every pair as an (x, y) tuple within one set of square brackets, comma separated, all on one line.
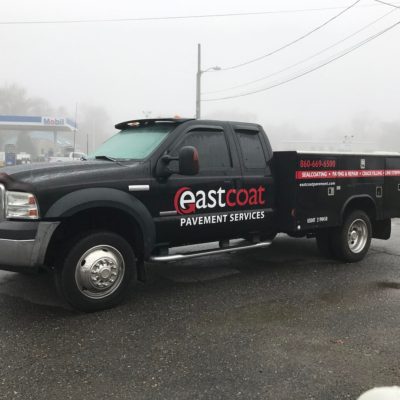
[(76, 123), (198, 82)]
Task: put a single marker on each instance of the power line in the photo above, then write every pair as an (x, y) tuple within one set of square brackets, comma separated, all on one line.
[(305, 59), (387, 4), (341, 55), (293, 41), (172, 17)]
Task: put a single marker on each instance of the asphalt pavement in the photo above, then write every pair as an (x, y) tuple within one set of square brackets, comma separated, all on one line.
[(278, 323)]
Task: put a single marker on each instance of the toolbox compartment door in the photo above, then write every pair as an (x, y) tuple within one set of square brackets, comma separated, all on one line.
[(391, 193)]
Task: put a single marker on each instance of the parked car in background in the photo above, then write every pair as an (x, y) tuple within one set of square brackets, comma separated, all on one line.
[(71, 157), (23, 158)]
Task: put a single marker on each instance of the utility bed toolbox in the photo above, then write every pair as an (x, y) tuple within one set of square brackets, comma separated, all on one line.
[(314, 188)]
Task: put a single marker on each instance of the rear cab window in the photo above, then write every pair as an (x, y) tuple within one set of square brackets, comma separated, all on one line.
[(252, 149)]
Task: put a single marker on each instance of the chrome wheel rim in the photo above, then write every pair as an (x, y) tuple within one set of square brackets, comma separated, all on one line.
[(100, 271), (357, 236)]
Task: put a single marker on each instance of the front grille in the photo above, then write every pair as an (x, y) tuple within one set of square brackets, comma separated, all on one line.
[(2, 195)]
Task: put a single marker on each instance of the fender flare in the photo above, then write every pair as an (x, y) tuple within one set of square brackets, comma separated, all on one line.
[(356, 197), (85, 199)]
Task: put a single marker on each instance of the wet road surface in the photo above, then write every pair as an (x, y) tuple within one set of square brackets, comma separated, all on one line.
[(278, 323)]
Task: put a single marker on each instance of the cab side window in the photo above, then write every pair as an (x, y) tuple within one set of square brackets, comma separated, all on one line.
[(212, 147), (251, 148)]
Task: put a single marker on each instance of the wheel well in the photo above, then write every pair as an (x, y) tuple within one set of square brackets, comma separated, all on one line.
[(93, 219), (365, 204)]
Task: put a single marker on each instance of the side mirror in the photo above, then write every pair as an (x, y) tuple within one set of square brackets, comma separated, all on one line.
[(188, 161)]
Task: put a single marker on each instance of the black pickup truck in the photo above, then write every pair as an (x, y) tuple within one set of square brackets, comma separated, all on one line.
[(160, 184)]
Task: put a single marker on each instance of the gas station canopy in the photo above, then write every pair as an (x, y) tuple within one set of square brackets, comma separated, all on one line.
[(36, 123)]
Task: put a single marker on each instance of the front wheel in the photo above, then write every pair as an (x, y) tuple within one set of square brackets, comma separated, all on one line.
[(96, 272), (352, 240)]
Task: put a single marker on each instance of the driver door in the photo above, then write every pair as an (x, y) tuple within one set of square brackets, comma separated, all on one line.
[(193, 208)]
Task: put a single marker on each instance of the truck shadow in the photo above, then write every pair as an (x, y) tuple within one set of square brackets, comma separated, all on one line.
[(37, 289), (284, 260), (285, 254)]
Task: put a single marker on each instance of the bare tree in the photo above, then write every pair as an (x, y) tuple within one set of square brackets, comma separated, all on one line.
[(14, 100)]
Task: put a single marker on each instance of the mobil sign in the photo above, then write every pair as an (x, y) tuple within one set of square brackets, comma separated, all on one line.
[(51, 121)]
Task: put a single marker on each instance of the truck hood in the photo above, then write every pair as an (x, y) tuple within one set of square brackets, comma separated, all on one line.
[(75, 173)]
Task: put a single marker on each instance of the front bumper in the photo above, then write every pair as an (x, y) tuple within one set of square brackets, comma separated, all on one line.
[(23, 244)]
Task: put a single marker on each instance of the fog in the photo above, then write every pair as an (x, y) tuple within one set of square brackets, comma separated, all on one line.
[(127, 70)]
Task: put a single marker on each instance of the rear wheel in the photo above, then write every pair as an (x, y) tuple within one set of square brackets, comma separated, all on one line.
[(96, 271), (352, 240)]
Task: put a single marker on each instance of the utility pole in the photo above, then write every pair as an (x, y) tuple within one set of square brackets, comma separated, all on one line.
[(76, 125), (93, 135), (198, 82)]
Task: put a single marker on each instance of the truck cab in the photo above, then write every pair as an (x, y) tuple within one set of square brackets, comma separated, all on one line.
[(230, 195)]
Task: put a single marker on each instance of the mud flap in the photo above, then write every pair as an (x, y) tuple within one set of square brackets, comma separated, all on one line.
[(382, 229)]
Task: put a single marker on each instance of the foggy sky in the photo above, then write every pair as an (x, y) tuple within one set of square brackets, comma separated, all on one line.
[(132, 67)]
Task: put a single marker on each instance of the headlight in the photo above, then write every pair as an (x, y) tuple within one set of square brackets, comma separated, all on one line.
[(21, 205)]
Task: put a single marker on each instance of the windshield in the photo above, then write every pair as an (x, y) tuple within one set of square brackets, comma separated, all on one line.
[(135, 143)]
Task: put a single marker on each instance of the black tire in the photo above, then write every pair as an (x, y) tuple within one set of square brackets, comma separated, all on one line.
[(324, 243), (112, 267), (296, 235), (270, 237), (352, 248)]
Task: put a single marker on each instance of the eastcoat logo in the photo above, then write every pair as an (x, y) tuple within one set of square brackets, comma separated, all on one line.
[(188, 202)]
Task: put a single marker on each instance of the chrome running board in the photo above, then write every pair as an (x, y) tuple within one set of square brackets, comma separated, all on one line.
[(186, 256)]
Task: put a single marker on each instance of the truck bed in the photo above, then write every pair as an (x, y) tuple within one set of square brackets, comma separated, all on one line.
[(314, 188)]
